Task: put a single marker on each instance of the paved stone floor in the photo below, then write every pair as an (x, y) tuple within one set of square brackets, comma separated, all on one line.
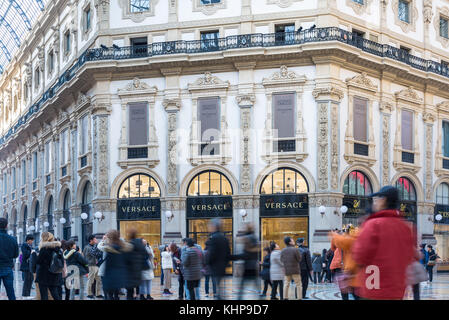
[(437, 290)]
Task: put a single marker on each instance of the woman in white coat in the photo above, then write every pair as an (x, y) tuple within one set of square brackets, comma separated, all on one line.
[(147, 275), (277, 272), (167, 266)]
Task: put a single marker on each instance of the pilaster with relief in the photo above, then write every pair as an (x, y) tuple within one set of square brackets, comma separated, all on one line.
[(429, 119), (386, 108), (245, 102), (172, 107)]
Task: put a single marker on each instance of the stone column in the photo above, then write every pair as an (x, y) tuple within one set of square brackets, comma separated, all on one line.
[(328, 99)]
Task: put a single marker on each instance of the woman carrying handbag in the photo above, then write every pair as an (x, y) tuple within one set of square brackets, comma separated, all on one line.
[(416, 274)]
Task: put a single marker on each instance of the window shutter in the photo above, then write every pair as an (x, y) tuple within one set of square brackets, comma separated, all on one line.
[(209, 117), (407, 130), (360, 120), (445, 139), (138, 124), (284, 117)]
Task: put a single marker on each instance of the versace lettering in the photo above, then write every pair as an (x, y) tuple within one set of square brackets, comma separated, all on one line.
[(284, 205)]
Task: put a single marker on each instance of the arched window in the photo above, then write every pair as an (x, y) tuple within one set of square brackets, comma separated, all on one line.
[(36, 210), (442, 195), (67, 200), (24, 222), (87, 193), (209, 183), (284, 180), (406, 189), (139, 186), (67, 227), (357, 184), (50, 214)]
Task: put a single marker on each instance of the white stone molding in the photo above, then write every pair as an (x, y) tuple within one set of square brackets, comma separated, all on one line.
[(441, 11), (413, 13), (209, 86), (172, 106), (442, 114), (362, 87), (208, 9), (136, 17), (407, 99), (283, 3), (427, 11), (284, 81), (138, 91), (359, 8)]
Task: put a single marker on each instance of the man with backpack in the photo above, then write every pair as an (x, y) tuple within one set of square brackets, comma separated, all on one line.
[(94, 257), (9, 250), (25, 266)]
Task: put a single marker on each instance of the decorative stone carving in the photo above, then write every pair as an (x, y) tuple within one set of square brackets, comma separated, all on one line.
[(413, 14), (208, 9), (359, 8), (323, 143), (362, 81), (386, 106), (409, 95), (283, 76), (441, 11), (427, 11), (136, 85), (428, 117), (101, 155), (41, 58), (28, 74), (137, 17), (172, 106), (328, 93), (56, 39), (385, 149), (334, 146), (245, 101), (429, 155), (282, 3), (208, 80)]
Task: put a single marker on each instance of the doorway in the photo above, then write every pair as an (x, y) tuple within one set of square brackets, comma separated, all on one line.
[(150, 230), (276, 229), (198, 231)]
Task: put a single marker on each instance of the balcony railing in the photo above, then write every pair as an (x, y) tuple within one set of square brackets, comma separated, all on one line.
[(256, 40)]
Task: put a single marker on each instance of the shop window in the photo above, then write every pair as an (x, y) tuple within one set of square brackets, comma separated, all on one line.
[(406, 189), (209, 116), (442, 194), (139, 186), (209, 183), (357, 184), (284, 180), (284, 122)]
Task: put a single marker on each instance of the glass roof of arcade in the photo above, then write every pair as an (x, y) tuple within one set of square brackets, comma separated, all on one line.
[(16, 20)]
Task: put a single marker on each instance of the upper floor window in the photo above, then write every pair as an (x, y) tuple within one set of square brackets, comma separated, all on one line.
[(48, 166), (34, 165), (444, 27), (284, 32), (24, 172), (361, 2), (139, 186), (284, 122), (67, 42), (442, 194), (360, 126), (5, 184), (284, 180), (51, 62), (407, 130), (210, 1), (139, 6), (209, 116), (404, 10), (209, 39), (37, 78), (87, 18), (209, 183), (357, 184), (84, 133), (138, 130), (64, 147), (13, 179)]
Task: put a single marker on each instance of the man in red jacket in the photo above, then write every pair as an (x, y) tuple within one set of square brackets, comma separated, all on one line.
[(384, 249)]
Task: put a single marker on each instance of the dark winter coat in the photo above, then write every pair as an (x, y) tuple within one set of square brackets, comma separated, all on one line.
[(9, 250), (317, 262), (33, 259), (250, 254), (115, 267), (92, 254), (136, 262), (265, 273), (291, 259), (192, 261), (43, 275), (206, 268), (306, 259), (74, 258), (26, 254), (219, 254)]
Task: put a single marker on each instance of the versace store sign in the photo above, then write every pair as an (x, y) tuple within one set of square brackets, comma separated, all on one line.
[(138, 209), (408, 211), (356, 206), (274, 205), (209, 207), (444, 212)]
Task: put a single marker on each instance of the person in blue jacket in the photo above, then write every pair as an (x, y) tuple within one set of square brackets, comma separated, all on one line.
[(9, 250)]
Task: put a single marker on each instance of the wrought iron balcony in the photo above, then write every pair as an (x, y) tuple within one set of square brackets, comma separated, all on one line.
[(256, 40)]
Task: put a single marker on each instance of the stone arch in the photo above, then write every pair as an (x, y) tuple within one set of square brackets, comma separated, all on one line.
[(81, 184), (31, 214), (375, 185), (436, 185), (129, 172), (61, 196), (44, 205), (22, 211), (416, 183), (205, 167), (13, 217), (284, 164)]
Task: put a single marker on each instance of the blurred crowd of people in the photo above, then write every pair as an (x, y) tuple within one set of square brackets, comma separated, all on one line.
[(377, 260)]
